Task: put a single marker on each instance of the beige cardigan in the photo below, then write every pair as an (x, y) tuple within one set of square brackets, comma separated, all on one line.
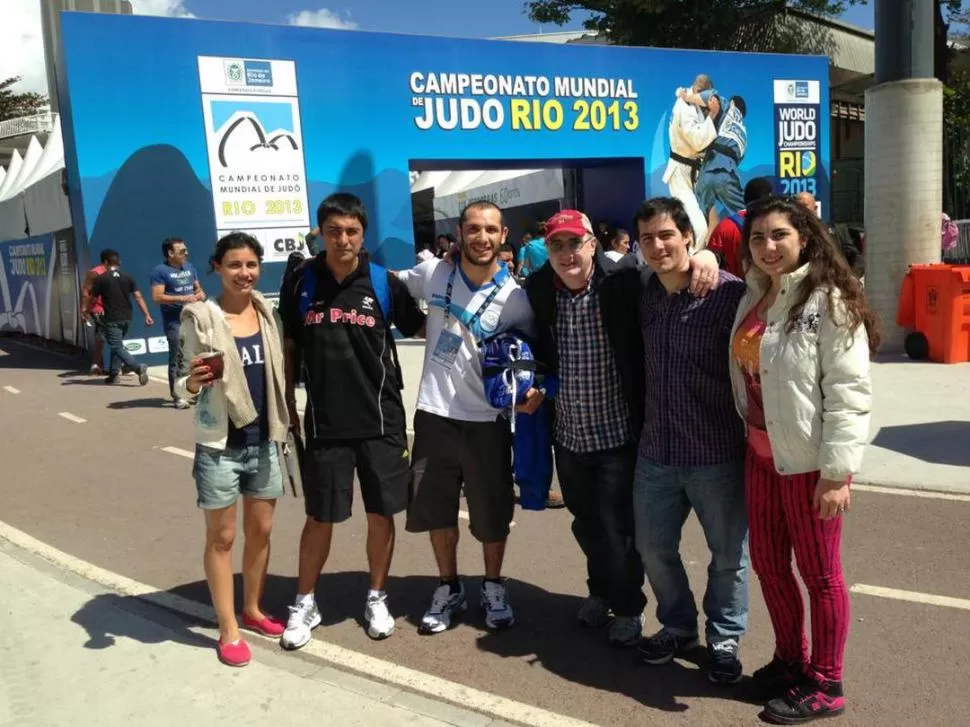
[(204, 328)]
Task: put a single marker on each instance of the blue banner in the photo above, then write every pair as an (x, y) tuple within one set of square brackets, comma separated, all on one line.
[(239, 126), (26, 270)]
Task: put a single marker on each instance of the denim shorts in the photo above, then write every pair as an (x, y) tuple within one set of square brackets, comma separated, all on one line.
[(221, 476)]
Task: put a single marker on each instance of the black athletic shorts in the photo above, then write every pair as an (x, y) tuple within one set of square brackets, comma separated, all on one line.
[(383, 470), (447, 453)]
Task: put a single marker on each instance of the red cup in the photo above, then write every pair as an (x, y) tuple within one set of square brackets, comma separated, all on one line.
[(216, 363)]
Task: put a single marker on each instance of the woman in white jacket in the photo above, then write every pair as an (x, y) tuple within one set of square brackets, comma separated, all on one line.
[(800, 354), (240, 418)]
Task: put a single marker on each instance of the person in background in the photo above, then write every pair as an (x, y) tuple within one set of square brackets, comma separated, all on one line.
[(619, 245), (240, 418), (175, 284), (92, 311), (533, 254), (725, 238), (443, 244), (691, 449), (337, 314), (116, 289), (506, 256), (801, 346), (603, 234)]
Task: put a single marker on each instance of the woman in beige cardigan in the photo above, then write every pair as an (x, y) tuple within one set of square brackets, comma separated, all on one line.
[(239, 420)]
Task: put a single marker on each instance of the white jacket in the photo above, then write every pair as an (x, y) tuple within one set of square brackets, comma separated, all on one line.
[(815, 382)]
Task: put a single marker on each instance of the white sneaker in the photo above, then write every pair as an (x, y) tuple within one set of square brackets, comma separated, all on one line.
[(495, 604), (445, 605), (304, 617), (380, 622)]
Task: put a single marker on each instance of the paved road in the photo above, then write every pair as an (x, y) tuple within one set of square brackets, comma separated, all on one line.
[(106, 491)]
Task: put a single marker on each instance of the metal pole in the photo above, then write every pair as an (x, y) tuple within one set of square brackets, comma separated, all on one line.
[(904, 39)]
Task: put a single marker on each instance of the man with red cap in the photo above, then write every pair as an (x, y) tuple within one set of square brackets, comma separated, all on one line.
[(587, 314)]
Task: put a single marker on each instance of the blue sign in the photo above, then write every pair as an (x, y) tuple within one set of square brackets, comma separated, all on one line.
[(332, 110)]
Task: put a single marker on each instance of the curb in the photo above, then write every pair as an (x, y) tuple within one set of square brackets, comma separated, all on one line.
[(465, 699)]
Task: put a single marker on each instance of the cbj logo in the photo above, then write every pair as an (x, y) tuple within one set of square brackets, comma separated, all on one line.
[(288, 244)]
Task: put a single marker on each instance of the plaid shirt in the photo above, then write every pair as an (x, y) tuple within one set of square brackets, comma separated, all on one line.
[(591, 413), (690, 418)]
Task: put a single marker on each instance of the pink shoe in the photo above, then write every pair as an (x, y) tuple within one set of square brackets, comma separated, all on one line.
[(236, 653), (266, 626)]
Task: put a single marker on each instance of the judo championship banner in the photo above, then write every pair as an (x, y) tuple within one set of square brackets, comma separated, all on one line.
[(797, 137), (26, 271), (255, 150), (238, 126)]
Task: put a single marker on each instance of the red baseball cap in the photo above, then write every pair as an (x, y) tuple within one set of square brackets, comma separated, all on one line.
[(572, 222)]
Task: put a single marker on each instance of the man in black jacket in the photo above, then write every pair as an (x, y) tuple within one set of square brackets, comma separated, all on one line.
[(587, 314), (355, 419)]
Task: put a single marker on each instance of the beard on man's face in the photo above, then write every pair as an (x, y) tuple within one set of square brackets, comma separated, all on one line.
[(471, 257)]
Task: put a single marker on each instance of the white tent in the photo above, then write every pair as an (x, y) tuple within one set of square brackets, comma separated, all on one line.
[(505, 187), (31, 192)]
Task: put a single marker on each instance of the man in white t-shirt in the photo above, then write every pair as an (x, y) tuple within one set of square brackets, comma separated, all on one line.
[(459, 438)]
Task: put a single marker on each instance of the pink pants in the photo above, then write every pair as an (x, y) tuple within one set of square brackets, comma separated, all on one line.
[(781, 519)]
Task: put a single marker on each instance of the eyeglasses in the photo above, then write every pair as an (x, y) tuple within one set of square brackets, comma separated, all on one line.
[(571, 245)]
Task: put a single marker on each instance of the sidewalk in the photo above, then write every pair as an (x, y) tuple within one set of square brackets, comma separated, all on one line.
[(80, 656), (920, 433)]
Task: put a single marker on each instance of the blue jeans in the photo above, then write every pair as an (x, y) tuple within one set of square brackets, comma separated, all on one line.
[(114, 336), (221, 476), (662, 500), (172, 334), (598, 491)]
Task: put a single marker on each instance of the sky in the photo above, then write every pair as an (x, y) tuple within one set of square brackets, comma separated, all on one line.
[(21, 54)]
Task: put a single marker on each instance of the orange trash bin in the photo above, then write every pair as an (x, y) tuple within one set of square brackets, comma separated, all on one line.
[(935, 301)]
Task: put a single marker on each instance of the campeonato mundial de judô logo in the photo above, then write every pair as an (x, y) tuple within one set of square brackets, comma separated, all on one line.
[(797, 127)]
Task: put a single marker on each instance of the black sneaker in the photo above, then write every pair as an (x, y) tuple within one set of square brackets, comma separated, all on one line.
[(808, 700), (723, 665), (776, 677), (112, 378), (664, 646), (142, 374)]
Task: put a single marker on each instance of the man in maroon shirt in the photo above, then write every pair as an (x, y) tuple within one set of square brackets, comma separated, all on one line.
[(725, 239)]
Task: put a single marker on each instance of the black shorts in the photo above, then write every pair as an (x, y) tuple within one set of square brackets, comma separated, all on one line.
[(447, 453), (383, 470)]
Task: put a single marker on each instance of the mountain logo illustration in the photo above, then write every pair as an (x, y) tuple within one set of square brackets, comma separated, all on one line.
[(234, 121)]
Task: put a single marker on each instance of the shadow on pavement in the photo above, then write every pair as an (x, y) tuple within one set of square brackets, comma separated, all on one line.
[(155, 402), (546, 634), (29, 354), (936, 442), (549, 632), (100, 619)]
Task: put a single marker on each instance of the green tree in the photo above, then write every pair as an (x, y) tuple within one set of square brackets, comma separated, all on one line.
[(13, 104), (745, 25)]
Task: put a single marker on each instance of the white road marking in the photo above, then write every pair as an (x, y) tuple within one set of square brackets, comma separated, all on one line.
[(180, 452), (377, 669), (71, 417), (464, 516), (11, 390), (903, 492), (912, 596)]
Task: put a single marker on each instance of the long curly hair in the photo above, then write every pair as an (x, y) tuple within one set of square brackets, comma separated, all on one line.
[(828, 269)]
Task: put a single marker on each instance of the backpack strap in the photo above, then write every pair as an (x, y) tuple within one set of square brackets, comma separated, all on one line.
[(308, 289), (382, 291), (738, 221), (378, 281)]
